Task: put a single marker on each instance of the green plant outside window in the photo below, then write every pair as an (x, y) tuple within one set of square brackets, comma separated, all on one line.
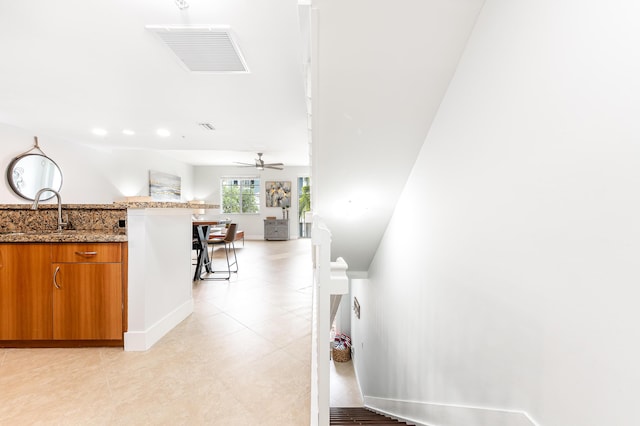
[(240, 195)]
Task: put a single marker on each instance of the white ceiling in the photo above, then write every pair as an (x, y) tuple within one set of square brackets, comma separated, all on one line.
[(67, 67), (379, 69)]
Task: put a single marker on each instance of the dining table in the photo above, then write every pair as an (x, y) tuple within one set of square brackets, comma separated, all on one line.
[(200, 239)]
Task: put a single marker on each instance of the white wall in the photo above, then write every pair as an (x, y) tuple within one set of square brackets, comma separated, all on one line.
[(160, 296), (91, 175), (507, 280), (207, 188)]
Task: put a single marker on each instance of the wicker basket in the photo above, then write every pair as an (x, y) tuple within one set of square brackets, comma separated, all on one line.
[(342, 354)]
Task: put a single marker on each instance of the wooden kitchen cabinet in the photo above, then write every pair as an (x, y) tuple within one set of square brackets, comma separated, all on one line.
[(26, 309), (87, 291), (62, 292), (87, 302)]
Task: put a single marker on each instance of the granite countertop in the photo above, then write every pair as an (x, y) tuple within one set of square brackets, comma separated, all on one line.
[(92, 222), (70, 236), (163, 205), (115, 206), (46, 205)]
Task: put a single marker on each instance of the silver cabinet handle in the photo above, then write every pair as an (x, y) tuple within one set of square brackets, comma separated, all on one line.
[(55, 275), (86, 253)]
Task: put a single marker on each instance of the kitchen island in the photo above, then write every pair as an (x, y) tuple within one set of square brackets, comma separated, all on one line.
[(154, 276)]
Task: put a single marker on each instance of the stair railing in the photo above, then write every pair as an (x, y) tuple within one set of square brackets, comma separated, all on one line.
[(329, 279)]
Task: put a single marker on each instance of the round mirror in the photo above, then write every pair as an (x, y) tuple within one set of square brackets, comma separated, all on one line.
[(29, 173)]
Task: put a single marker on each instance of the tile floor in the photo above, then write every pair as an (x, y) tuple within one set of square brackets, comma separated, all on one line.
[(344, 391), (241, 358)]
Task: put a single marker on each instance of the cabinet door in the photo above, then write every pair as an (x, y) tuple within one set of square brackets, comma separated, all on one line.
[(25, 292), (282, 231), (87, 301)]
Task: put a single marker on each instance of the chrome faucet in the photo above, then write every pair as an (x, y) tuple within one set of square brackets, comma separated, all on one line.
[(36, 200)]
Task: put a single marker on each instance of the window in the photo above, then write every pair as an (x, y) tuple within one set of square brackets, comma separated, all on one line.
[(240, 195), (304, 206)]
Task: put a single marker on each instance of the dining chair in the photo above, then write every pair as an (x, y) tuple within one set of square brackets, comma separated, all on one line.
[(229, 246)]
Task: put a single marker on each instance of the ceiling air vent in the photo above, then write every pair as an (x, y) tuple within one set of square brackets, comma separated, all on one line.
[(206, 126), (203, 49)]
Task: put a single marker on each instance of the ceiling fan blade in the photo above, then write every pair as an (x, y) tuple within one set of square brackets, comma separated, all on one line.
[(260, 164)]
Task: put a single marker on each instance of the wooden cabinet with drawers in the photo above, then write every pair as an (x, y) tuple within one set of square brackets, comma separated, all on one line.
[(276, 229), (62, 291)]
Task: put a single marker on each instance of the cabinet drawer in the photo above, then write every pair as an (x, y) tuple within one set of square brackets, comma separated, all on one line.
[(280, 230), (87, 252)]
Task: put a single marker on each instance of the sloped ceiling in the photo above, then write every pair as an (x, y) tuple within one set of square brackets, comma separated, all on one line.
[(380, 71)]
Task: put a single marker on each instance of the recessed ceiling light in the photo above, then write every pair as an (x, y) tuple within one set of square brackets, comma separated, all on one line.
[(163, 133), (128, 132), (99, 132)]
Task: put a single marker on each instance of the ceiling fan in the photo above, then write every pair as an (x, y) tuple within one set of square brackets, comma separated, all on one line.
[(261, 165)]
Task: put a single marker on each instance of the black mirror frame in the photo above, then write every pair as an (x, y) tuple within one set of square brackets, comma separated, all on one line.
[(16, 190)]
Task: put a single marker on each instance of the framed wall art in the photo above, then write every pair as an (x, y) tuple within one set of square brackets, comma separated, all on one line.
[(164, 187), (278, 193)]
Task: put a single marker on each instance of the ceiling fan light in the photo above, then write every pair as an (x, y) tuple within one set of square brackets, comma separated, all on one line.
[(261, 165)]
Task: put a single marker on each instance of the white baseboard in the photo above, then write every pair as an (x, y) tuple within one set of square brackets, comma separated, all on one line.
[(144, 340), (440, 414), (250, 237)]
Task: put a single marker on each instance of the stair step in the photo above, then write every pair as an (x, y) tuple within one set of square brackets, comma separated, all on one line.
[(360, 416)]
